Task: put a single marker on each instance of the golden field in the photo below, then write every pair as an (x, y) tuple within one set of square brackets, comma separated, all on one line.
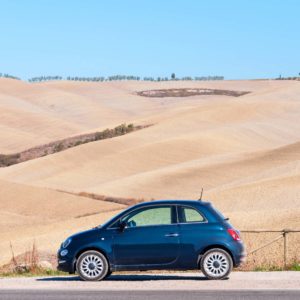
[(244, 151)]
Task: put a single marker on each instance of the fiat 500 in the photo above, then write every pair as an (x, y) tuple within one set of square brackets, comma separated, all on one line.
[(156, 235)]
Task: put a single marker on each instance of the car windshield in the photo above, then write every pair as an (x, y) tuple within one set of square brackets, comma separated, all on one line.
[(114, 217)]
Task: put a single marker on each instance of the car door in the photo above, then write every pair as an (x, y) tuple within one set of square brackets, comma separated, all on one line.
[(194, 233), (150, 238)]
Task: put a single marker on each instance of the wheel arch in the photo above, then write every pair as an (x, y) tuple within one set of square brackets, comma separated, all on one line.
[(214, 246), (90, 248)]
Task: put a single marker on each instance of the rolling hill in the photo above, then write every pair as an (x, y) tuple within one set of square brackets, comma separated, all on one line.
[(244, 151)]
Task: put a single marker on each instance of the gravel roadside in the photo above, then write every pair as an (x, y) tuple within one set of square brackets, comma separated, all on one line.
[(175, 281)]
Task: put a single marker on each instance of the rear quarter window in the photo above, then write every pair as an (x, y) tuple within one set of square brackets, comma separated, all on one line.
[(190, 215)]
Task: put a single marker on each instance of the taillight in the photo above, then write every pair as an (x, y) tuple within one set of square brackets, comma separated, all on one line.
[(234, 234)]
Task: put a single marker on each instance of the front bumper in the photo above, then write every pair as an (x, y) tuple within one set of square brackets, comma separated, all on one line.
[(65, 263)]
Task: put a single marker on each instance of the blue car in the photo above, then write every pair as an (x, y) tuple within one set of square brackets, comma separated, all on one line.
[(156, 235)]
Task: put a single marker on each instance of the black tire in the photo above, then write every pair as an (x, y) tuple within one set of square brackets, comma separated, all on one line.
[(216, 264), (108, 274), (92, 266)]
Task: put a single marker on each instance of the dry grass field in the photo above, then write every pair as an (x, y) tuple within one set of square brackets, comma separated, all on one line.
[(244, 151)]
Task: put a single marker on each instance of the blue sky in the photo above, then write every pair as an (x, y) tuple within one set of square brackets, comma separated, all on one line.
[(235, 38)]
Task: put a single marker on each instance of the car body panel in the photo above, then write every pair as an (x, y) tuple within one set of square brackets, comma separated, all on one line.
[(148, 245)]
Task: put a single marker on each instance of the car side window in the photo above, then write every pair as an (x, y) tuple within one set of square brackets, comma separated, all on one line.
[(149, 216), (190, 215)]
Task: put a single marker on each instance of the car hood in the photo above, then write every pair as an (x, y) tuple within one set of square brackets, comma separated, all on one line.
[(85, 234)]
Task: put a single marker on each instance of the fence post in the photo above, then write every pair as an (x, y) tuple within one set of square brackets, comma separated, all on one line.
[(285, 233)]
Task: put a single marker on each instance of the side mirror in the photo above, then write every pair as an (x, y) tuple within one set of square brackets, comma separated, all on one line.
[(123, 226)]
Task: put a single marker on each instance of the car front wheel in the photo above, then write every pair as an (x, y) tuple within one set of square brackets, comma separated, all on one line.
[(92, 266), (216, 264)]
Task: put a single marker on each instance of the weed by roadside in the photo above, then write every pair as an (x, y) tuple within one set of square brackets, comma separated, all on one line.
[(293, 267), (31, 273), (29, 264)]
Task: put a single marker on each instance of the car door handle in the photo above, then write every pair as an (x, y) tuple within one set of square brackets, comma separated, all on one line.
[(172, 234)]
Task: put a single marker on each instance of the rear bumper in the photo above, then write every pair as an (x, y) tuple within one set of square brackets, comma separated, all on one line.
[(240, 259), (240, 255)]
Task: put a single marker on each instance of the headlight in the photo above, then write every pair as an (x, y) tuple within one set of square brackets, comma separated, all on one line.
[(66, 243), (63, 252)]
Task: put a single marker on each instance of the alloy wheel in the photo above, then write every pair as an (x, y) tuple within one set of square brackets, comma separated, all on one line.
[(216, 264)]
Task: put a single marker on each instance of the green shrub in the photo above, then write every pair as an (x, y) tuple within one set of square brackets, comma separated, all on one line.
[(77, 143), (58, 147), (8, 160)]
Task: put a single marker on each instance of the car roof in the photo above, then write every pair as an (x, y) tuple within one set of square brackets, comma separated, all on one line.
[(178, 202)]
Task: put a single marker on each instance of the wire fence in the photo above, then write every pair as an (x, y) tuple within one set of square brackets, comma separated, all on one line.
[(271, 249)]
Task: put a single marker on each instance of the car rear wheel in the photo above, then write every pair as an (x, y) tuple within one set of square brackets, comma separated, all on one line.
[(92, 266), (216, 264)]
